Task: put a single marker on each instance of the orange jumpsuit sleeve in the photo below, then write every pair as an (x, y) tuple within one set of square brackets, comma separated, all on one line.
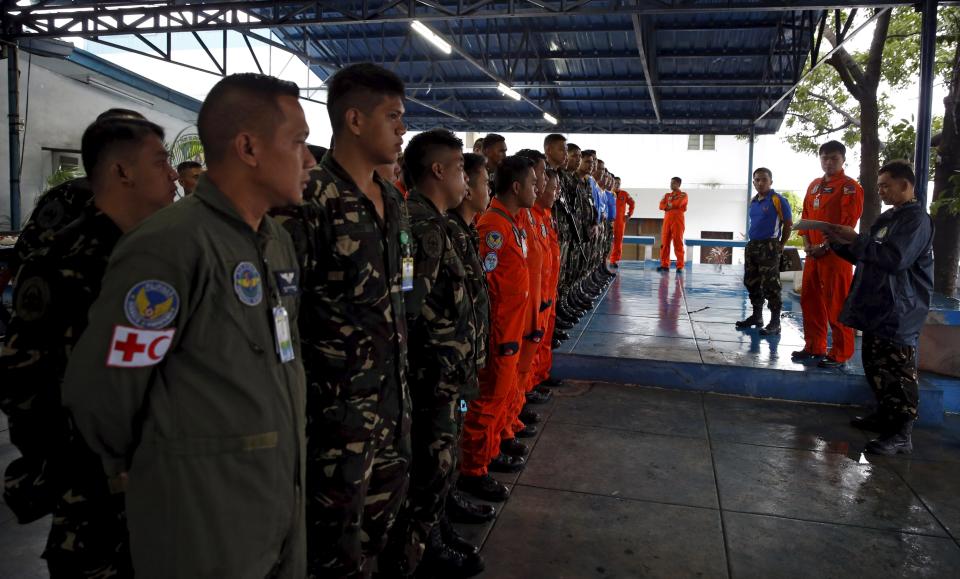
[(630, 205), (805, 213), (507, 284), (663, 202), (851, 204), (682, 204)]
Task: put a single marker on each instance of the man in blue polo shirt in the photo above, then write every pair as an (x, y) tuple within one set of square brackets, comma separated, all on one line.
[(770, 224)]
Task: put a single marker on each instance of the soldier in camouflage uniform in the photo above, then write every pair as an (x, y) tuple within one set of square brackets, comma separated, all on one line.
[(889, 301), (352, 234), (57, 283), (555, 149), (771, 221), (441, 345)]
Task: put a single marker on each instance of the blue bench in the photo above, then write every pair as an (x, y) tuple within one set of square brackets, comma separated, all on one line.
[(714, 242)]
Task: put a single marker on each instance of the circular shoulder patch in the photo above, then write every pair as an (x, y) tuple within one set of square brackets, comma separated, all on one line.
[(51, 214), (494, 240), (490, 261), (32, 299), (151, 304), (432, 242), (247, 283)]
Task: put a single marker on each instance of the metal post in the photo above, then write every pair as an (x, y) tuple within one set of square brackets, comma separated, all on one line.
[(13, 107), (749, 183), (928, 53)]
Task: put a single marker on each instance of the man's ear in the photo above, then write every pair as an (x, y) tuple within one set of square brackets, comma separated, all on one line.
[(246, 147), (437, 170), (353, 119)]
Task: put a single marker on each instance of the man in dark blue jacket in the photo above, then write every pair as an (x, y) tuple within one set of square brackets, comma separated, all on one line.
[(889, 300)]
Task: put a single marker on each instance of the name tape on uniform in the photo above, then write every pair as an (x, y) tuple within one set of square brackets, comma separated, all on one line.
[(137, 347)]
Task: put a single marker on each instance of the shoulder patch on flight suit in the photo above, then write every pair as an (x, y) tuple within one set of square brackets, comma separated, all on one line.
[(882, 233), (138, 348), (247, 283), (849, 189), (33, 299), (490, 261), (494, 240), (151, 304)]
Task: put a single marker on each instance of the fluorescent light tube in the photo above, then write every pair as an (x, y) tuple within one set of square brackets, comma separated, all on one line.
[(509, 91), (421, 29)]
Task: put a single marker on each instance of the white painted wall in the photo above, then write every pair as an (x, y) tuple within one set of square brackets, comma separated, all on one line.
[(60, 108)]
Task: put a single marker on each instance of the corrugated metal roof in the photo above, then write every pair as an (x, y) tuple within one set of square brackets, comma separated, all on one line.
[(712, 72)]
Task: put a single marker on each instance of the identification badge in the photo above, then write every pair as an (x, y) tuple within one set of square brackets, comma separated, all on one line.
[(816, 202), (463, 406), (407, 283), (281, 323)]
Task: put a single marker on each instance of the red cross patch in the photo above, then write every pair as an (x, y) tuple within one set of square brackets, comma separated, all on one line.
[(138, 348)]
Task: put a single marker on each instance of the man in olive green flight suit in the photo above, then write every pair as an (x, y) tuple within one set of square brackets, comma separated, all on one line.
[(188, 381)]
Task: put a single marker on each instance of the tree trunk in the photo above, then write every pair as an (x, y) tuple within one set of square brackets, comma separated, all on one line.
[(869, 159), (946, 238)]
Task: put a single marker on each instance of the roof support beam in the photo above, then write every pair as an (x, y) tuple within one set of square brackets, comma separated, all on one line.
[(648, 71)]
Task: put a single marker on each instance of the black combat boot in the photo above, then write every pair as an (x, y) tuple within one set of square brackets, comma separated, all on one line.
[(535, 397), (560, 335), (514, 447), (773, 328), (528, 416), (461, 510), (563, 324), (506, 463), (484, 487), (552, 382), (896, 440), (443, 561), (529, 431), (454, 539), (755, 320)]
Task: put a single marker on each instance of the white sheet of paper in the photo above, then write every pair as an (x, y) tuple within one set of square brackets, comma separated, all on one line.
[(807, 224)]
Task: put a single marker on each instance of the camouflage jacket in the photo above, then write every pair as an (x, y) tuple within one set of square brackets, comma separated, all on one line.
[(57, 472), (438, 309), (54, 210), (352, 316), (466, 240)]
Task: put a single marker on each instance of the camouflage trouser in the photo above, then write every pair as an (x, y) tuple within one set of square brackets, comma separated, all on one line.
[(89, 539), (353, 496), (608, 243), (761, 273), (435, 437), (891, 370)]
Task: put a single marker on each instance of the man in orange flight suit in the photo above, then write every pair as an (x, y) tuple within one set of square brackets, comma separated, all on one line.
[(504, 253), (674, 205), (625, 207), (543, 211), (834, 198)]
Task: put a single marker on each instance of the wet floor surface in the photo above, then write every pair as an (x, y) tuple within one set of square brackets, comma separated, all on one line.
[(628, 481), (690, 318), (631, 482)]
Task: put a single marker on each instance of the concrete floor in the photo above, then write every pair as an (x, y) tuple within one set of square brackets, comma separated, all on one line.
[(627, 481)]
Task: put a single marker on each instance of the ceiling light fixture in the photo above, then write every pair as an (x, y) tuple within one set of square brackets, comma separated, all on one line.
[(434, 38), (509, 92), (550, 118)]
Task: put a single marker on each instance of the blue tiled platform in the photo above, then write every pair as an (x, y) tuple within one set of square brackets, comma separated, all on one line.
[(677, 331)]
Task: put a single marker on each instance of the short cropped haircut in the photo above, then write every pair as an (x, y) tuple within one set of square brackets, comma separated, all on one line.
[(472, 162), (677, 179), (899, 169), (361, 86), (117, 113), (553, 138), (424, 150), (572, 147), (238, 103), (533, 155), (105, 138), (832, 147), (514, 168), (764, 170), (186, 165), (492, 139), (589, 153), (615, 178)]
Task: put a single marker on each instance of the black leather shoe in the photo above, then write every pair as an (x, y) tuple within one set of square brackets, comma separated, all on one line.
[(829, 363), (804, 355), (454, 539), (555, 344), (506, 463), (895, 441), (528, 416), (484, 487), (443, 560), (534, 397), (562, 324), (772, 329), (560, 335), (461, 510), (552, 382), (528, 432), (514, 447), (874, 422)]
